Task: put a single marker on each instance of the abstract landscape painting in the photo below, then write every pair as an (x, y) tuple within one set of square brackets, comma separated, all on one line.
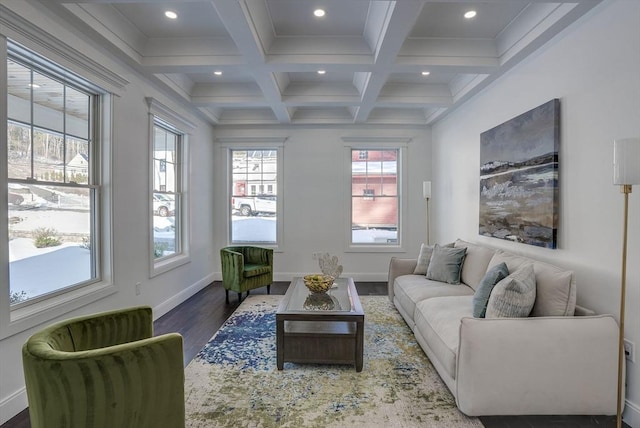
[(519, 177)]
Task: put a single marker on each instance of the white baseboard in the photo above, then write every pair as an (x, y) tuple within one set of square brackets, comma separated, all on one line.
[(631, 415), (176, 299), (13, 404)]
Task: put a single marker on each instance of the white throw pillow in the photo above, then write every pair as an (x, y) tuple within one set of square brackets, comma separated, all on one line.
[(423, 259), (514, 296)]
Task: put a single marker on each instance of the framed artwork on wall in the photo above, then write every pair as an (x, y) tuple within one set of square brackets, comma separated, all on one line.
[(519, 178)]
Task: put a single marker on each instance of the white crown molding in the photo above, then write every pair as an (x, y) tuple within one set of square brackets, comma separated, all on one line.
[(166, 113), (27, 34)]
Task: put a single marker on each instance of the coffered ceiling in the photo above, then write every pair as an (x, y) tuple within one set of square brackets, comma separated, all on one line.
[(373, 53)]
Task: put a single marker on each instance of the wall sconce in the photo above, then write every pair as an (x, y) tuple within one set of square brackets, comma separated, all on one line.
[(426, 194), (626, 173)]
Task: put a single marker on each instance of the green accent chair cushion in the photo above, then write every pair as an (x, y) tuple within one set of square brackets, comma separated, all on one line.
[(105, 370), (245, 268)]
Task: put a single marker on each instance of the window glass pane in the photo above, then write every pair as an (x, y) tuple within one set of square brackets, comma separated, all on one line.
[(77, 158), (374, 197), (253, 196), (165, 160), (18, 92), (164, 227), (48, 156), (19, 151), (77, 106), (49, 239), (48, 103)]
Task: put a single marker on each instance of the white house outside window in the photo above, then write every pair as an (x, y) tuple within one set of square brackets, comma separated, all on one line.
[(53, 185)]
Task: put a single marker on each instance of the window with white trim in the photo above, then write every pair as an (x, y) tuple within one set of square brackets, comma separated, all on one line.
[(53, 180), (375, 196), (167, 172), (254, 201)]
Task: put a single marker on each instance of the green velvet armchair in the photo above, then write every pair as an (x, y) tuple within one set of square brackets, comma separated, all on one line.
[(245, 268), (104, 371)]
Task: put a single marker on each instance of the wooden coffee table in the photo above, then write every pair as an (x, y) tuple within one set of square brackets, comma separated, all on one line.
[(320, 327)]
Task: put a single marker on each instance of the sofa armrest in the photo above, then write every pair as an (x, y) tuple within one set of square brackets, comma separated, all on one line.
[(543, 365), (397, 267)]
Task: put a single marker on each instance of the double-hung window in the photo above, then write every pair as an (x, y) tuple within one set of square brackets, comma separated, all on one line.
[(168, 208), (53, 179), (375, 196), (254, 201)]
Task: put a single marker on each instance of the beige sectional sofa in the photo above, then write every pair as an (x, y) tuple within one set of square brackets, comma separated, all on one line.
[(562, 359)]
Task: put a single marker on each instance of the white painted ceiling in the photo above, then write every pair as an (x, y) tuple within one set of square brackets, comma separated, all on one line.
[(373, 52)]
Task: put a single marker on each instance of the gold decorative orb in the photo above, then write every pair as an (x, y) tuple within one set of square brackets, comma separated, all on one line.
[(318, 283)]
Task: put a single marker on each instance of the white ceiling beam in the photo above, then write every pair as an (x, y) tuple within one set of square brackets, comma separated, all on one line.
[(393, 30), (238, 22)]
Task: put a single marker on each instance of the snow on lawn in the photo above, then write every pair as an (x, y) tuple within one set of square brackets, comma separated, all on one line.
[(40, 270)]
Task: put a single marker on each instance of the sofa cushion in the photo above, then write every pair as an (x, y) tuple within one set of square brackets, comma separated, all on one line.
[(251, 270), (411, 289), (490, 279), (438, 321), (514, 296), (476, 262), (555, 287), (446, 264)]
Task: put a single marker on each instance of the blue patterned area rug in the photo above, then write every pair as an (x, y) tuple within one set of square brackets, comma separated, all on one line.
[(234, 382)]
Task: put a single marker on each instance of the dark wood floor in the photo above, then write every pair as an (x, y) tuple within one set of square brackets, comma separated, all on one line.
[(199, 318)]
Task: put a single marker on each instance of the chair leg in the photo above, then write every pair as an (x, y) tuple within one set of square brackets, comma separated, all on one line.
[(269, 289), (248, 292), (226, 292), (239, 297)]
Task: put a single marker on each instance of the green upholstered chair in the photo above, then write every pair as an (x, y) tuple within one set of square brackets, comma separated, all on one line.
[(104, 371), (245, 268)]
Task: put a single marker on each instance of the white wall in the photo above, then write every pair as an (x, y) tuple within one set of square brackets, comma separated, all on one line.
[(593, 67), (130, 185), (315, 208)]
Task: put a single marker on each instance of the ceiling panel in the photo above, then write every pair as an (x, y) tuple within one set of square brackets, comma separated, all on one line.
[(373, 52), (195, 19), (447, 19), (295, 17)]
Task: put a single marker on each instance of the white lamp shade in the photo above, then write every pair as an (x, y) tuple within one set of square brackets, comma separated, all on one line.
[(626, 161), (426, 189)]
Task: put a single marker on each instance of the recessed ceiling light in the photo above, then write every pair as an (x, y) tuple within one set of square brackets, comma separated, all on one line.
[(425, 73), (171, 14), (470, 14), (322, 71), (218, 73), (319, 13)]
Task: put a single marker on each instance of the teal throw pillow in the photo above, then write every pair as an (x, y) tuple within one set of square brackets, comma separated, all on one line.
[(446, 264), (490, 279)]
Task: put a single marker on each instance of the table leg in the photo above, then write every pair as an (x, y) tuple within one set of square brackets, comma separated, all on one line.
[(359, 344), (280, 343)]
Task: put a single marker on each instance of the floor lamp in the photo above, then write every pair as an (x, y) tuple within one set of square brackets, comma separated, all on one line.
[(426, 194), (626, 173)]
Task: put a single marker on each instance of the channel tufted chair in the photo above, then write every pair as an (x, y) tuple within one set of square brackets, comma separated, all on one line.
[(104, 371), (245, 268)]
